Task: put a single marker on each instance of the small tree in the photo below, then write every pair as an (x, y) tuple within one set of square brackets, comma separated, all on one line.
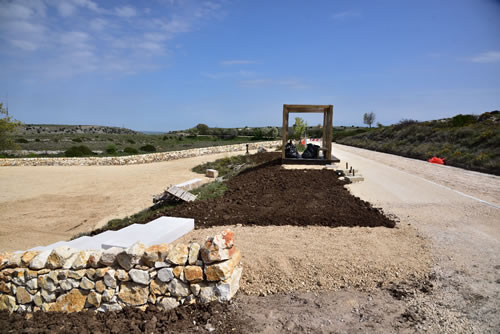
[(299, 128), (202, 129), (369, 118), (8, 126)]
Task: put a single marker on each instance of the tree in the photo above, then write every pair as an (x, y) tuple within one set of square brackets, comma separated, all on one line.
[(8, 126), (299, 128), (272, 132), (202, 129), (369, 118)]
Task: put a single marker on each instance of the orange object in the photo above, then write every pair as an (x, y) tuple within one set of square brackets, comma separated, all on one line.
[(303, 142), (436, 160)]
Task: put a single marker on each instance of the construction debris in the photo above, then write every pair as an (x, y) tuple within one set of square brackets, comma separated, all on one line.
[(173, 194)]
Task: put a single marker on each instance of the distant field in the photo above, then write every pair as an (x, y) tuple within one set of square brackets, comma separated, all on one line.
[(36, 140), (466, 141)]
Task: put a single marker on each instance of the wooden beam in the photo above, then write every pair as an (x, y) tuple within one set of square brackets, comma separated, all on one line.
[(284, 133), (329, 121)]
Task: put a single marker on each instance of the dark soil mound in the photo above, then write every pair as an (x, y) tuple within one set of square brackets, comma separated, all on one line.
[(269, 195), (185, 319)]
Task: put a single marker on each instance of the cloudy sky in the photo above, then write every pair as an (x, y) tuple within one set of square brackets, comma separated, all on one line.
[(170, 64)]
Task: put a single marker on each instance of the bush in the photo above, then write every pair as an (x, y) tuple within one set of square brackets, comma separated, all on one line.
[(131, 141), (462, 120), (22, 141), (130, 150), (78, 151), (77, 140), (148, 148), (111, 149)]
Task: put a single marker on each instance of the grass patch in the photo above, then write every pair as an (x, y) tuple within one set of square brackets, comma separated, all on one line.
[(226, 166), (210, 190)]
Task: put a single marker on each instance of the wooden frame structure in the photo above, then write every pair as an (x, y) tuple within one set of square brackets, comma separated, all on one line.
[(327, 111)]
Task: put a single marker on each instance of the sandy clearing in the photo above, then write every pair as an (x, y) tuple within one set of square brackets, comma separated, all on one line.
[(41, 205)]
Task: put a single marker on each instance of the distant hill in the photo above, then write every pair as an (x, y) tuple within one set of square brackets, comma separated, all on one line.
[(466, 141), (32, 129)]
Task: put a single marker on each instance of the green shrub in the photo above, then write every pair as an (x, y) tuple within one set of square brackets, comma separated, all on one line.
[(148, 148), (131, 141), (462, 120), (210, 190), (130, 150), (78, 151), (77, 140), (22, 141), (111, 149)]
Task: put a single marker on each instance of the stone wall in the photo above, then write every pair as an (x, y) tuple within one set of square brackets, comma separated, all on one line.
[(135, 159), (69, 280)]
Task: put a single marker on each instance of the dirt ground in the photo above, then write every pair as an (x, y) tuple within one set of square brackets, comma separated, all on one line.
[(438, 271), (42, 205)]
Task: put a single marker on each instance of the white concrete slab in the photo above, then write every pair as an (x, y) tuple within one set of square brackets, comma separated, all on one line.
[(190, 185)]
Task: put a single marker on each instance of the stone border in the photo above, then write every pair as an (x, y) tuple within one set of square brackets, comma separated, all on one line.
[(68, 280), (135, 159)]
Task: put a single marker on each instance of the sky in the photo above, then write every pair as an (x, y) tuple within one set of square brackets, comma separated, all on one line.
[(163, 65)]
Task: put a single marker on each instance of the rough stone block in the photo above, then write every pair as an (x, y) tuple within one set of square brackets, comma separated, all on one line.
[(212, 173), (178, 254), (223, 270)]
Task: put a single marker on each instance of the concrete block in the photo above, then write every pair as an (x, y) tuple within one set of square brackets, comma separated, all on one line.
[(212, 173), (354, 179), (190, 185)]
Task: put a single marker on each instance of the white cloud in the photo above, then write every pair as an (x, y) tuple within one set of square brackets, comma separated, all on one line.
[(238, 62), (98, 24), (125, 11), (346, 14), (66, 9), (486, 57), (25, 45), (15, 11)]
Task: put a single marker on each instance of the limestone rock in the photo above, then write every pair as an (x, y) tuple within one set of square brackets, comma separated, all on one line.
[(195, 289), (156, 253), (94, 258), (218, 248), (58, 256), (178, 254), (40, 261), (68, 284), (100, 286), (133, 294), (165, 274), (7, 303), (158, 287), (94, 299), (81, 260), (48, 296), (108, 257), (5, 287), (122, 275), (223, 270), (109, 307), (207, 293), (168, 303), (90, 273), (100, 272), (109, 279), (69, 261), (29, 274), (38, 299), (22, 296), (131, 256), (178, 288), (86, 284), (226, 290), (15, 260), (194, 251), (108, 295), (193, 274), (28, 256), (18, 276), (139, 276), (46, 283), (74, 301), (32, 283), (159, 265), (179, 272), (78, 274)]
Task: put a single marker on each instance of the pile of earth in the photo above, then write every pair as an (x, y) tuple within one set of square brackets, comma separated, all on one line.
[(213, 318), (270, 195)]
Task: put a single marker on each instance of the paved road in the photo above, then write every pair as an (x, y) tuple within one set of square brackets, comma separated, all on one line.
[(457, 210)]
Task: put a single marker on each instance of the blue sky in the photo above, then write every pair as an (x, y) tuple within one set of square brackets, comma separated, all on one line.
[(170, 64)]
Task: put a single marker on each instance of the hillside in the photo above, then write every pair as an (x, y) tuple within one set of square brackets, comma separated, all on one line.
[(54, 129), (466, 141)]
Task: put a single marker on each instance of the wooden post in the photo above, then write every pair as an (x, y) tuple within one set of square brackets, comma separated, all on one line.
[(284, 134), (329, 129)]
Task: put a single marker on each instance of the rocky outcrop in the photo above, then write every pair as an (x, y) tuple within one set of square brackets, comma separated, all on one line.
[(69, 280)]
